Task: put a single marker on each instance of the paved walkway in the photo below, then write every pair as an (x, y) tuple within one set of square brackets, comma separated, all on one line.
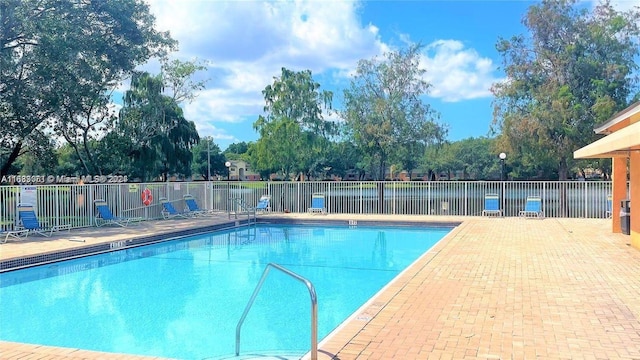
[(500, 288)]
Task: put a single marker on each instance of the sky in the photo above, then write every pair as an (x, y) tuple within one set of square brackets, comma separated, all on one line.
[(245, 44)]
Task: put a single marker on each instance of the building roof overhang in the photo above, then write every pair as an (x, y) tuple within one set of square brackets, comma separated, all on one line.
[(617, 144), (620, 120)]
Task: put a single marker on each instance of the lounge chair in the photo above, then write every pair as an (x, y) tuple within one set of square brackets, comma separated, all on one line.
[(317, 204), (533, 208), (169, 211), (14, 234), (106, 217), (264, 204), (609, 212), (29, 221), (491, 205), (193, 209)]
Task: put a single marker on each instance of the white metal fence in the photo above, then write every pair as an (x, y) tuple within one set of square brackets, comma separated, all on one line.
[(73, 204)]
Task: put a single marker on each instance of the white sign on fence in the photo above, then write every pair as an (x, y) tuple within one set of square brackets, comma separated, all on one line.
[(28, 195)]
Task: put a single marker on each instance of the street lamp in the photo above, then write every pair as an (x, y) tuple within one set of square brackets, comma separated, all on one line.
[(228, 165), (208, 159), (502, 157)]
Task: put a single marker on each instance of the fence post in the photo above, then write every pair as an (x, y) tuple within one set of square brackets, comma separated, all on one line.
[(586, 202), (298, 207), (429, 198), (544, 197), (466, 198), (503, 199), (361, 200), (393, 199), (327, 197), (209, 191)]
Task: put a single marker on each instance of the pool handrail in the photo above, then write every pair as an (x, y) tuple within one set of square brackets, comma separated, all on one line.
[(314, 307), (237, 206)]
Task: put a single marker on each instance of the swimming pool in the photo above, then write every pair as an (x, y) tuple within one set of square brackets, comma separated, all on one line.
[(183, 298)]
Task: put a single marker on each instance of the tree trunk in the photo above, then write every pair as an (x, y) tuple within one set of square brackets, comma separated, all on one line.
[(12, 158), (562, 176), (563, 170)]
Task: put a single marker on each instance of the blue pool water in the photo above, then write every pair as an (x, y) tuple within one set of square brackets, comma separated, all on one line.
[(183, 298)]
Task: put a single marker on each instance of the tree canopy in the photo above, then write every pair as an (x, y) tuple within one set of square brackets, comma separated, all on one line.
[(294, 133), (572, 72), (159, 138), (384, 112), (58, 60)]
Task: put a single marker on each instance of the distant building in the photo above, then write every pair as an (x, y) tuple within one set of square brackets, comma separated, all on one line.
[(241, 171)]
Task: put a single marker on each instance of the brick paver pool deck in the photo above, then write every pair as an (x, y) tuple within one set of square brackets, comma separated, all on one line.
[(494, 288)]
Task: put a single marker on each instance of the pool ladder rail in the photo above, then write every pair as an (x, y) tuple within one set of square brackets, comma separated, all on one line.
[(239, 207), (314, 307)]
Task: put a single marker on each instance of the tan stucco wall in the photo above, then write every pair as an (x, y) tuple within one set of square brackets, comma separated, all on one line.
[(619, 177), (634, 192)]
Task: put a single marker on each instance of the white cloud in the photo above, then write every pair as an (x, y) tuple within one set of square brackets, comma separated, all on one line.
[(248, 42), (457, 73), (621, 5)]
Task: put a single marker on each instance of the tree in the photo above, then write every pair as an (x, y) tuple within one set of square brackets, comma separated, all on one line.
[(345, 156), (384, 111), (476, 158), (159, 138), (178, 78), (40, 159), (58, 58), (573, 72), (293, 132), (280, 149), (208, 157), (83, 120), (236, 149)]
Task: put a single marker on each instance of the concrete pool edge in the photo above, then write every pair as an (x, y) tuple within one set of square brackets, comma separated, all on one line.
[(47, 257), (356, 322)]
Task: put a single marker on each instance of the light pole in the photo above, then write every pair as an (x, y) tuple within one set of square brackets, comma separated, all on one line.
[(208, 159), (228, 165), (502, 157)]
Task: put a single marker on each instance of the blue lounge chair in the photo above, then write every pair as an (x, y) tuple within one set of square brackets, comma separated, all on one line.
[(169, 211), (193, 209), (609, 212), (533, 208), (491, 205), (317, 204), (192, 206), (14, 234), (104, 216), (29, 221), (264, 204)]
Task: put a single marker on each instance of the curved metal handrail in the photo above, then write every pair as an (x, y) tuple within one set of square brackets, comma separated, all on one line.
[(246, 209), (314, 307)]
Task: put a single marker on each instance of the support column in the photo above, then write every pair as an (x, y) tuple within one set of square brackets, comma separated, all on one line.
[(634, 194), (619, 192)]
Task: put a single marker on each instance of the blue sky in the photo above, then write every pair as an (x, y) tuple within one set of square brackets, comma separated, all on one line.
[(246, 43)]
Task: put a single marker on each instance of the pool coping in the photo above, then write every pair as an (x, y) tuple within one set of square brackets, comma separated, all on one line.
[(47, 257)]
